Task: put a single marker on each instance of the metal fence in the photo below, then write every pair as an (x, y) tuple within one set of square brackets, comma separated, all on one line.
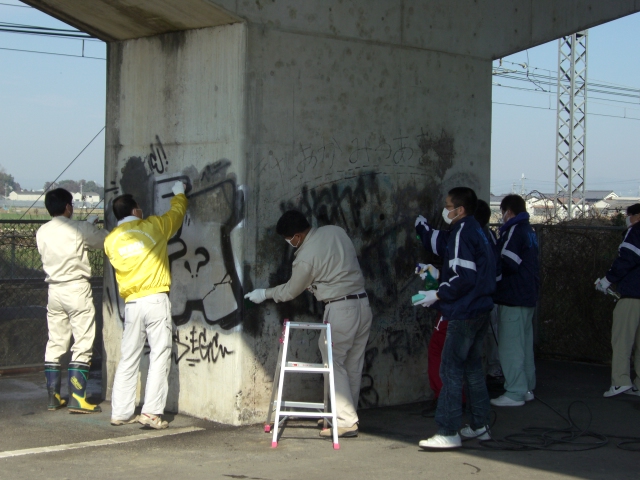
[(573, 321), (23, 295)]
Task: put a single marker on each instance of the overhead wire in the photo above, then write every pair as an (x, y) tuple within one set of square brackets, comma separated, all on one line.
[(65, 169), (52, 53)]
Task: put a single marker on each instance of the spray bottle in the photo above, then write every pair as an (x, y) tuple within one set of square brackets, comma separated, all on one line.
[(429, 274)]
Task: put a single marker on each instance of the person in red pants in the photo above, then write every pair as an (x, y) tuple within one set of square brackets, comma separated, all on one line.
[(436, 344)]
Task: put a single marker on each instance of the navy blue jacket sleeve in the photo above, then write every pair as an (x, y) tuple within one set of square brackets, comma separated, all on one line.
[(628, 257), (433, 240), (511, 251), (462, 272)]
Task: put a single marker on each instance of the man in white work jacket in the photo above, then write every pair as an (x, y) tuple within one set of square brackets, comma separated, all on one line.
[(137, 250), (326, 263), (64, 245)]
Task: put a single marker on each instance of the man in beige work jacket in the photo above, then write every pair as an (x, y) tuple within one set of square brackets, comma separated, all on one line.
[(327, 264), (63, 244)]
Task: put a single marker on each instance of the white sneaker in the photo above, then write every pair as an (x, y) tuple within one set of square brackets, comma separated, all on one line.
[(617, 390), (529, 396), (480, 433), (441, 442), (504, 401), (634, 391)]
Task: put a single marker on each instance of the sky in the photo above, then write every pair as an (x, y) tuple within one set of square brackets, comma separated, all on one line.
[(53, 106)]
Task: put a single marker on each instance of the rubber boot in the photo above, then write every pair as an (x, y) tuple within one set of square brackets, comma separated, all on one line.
[(78, 375), (53, 376)]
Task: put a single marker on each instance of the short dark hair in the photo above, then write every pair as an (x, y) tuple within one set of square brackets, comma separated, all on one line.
[(56, 201), (291, 222), (464, 197), (633, 209), (123, 206), (483, 213), (513, 202)]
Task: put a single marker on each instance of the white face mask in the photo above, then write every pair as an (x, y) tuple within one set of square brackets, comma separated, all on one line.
[(289, 242), (628, 222), (445, 216)]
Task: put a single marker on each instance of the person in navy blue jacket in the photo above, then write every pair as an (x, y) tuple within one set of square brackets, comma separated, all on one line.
[(625, 272), (467, 282), (516, 296)]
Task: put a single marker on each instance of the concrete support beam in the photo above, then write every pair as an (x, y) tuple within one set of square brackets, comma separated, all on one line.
[(113, 20), (478, 28)]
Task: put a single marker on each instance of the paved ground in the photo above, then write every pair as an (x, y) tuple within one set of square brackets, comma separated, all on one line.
[(386, 448)]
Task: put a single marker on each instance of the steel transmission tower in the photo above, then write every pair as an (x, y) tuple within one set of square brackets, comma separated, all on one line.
[(571, 142)]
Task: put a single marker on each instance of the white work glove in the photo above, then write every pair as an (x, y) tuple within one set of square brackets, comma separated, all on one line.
[(430, 297), (92, 219), (178, 188), (259, 295), (420, 220), (422, 270), (602, 284)]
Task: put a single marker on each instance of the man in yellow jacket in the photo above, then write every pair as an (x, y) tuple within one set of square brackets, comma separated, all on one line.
[(137, 250)]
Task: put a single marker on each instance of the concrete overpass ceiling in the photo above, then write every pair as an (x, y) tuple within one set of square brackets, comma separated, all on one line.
[(115, 20), (480, 28)]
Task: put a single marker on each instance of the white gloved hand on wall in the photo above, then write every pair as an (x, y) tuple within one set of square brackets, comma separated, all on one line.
[(259, 295), (430, 297), (422, 269), (178, 188), (420, 220), (602, 284), (92, 219)]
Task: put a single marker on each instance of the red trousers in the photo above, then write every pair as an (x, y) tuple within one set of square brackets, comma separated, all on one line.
[(434, 356), (436, 344)]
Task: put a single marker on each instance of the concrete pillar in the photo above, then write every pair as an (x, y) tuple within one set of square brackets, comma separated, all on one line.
[(175, 110), (358, 134)]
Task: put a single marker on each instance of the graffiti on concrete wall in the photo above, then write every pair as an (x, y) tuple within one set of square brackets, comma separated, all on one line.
[(206, 280), (344, 183)]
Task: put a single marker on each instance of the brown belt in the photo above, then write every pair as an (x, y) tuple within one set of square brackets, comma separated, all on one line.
[(348, 297)]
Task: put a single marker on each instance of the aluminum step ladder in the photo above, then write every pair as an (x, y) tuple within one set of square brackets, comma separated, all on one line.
[(309, 409)]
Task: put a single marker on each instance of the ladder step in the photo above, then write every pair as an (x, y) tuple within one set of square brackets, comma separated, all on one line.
[(316, 406), (302, 364), (305, 414), (306, 370)]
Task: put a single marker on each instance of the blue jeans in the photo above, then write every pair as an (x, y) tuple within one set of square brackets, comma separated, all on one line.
[(462, 361)]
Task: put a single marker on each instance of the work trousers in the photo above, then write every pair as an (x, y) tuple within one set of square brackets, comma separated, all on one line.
[(70, 311), (462, 363), (146, 318), (434, 355), (350, 322), (491, 355), (624, 332), (515, 345)]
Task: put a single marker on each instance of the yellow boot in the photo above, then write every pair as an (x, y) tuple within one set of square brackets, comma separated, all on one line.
[(78, 375)]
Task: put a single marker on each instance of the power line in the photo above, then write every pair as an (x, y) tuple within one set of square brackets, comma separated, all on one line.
[(66, 168), (46, 31), (12, 5), (551, 109), (51, 53)]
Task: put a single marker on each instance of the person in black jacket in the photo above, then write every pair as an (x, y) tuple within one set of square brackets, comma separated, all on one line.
[(625, 272), (467, 282), (516, 296)]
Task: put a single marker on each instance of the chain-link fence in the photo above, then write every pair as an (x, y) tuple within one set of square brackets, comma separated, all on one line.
[(573, 319), (23, 295)]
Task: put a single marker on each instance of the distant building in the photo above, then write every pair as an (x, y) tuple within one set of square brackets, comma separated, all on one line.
[(26, 197), (89, 198)]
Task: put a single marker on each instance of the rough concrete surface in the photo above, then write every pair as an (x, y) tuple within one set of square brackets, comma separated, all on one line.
[(386, 448)]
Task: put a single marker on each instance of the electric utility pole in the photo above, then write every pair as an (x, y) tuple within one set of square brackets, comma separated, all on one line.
[(571, 140)]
